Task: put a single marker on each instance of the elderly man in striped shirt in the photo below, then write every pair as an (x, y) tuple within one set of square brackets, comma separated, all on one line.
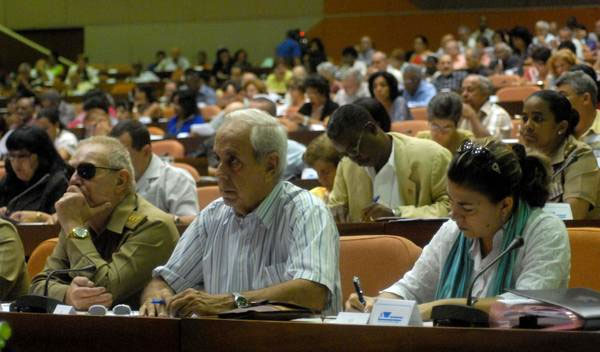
[(264, 239)]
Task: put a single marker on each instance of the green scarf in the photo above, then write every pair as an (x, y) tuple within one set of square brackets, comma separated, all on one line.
[(456, 274)]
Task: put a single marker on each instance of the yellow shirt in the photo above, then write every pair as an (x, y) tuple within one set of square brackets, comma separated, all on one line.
[(456, 141), (580, 178), (14, 281), (278, 86)]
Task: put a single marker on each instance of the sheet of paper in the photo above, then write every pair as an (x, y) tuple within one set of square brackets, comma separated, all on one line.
[(352, 318)]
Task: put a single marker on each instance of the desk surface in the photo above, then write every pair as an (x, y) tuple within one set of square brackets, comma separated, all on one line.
[(86, 333)]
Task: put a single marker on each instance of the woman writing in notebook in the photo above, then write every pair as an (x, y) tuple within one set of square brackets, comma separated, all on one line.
[(496, 195)]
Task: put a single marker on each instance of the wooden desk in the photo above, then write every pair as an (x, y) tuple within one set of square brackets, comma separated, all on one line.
[(40, 332), (46, 332), (33, 235), (232, 335)]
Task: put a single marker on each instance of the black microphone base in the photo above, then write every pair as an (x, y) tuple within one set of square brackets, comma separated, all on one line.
[(459, 316), (34, 304)]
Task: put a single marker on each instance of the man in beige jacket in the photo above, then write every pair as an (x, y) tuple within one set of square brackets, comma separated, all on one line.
[(385, 174)]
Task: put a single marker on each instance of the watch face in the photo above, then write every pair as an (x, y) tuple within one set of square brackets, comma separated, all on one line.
[(241, 302), (80, 232)]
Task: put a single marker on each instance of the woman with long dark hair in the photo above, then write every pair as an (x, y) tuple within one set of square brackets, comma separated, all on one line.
[(36, 175)]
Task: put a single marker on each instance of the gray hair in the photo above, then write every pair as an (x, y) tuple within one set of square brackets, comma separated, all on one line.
[(542, 25), (326, 67), (505, 47), (581, 83), (485, 84), (412, 68), (116, 154), (266, 134), (445, 105), (352, 72)]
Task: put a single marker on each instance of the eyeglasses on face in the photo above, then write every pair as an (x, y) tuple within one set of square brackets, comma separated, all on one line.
[(355, 151), (87, 171), (438, 128)]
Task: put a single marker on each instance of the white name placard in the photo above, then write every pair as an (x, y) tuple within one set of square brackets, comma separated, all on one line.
[(396, 312), (562, 210), (352, 318)]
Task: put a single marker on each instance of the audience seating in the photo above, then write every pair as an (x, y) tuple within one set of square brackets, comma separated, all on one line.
[(585, 257), (518, 93), (189, 168), (419, 113), (206, 195), (156, 131), (38, 257), (379, 261), (500, 81), (168, 147), (410, 127)]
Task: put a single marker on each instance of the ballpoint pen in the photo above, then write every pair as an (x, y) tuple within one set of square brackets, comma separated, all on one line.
[(359, 291), (376, 199)]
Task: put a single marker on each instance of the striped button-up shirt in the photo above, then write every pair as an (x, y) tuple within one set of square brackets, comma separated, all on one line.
[(290, 235)]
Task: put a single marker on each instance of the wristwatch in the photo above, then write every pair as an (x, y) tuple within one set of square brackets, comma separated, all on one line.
[(79, 232), (240, 301)]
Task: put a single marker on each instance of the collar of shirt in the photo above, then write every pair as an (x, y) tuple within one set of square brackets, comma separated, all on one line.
[(563, 150), (594, 128), (485, 109), (121, 214), (153, 170), (481, 285), (391, 164), (265, 212)]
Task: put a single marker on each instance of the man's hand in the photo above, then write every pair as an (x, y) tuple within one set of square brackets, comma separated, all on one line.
[(191, 301), (82, 294), (155, 298), (354, 305), (374, 211), (469, 113), (73, 209), (29, 216)]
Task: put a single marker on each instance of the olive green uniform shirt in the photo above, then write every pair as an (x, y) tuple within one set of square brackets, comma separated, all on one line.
[(575, 174), (14, 281), (456, 141), (138, 237)]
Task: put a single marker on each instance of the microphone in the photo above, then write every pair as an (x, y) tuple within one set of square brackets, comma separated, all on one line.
[(44, 304), (573, 157), (467, 315)]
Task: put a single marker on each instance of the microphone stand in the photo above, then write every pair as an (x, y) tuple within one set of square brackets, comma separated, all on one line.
[(467, 315), (44, 304)]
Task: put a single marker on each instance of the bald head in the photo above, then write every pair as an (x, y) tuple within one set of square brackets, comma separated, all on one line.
[(379, 60)]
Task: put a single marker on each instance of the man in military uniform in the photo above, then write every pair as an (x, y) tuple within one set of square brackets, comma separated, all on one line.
[(14, 281), (105, 223)]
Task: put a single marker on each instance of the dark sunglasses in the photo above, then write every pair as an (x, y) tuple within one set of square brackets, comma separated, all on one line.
[(88, 170), (479, 151)]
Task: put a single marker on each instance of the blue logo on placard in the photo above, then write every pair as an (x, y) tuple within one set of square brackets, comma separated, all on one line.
[(387, 316)]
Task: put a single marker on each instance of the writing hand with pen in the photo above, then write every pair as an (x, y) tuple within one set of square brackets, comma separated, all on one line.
[(375, 210)]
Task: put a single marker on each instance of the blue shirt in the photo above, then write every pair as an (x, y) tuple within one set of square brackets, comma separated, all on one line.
[(290, 235), (289, 49), (422, 96), (185, 127), (206, 95)]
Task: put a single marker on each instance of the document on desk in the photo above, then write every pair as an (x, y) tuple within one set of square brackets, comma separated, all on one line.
[(352, 318)]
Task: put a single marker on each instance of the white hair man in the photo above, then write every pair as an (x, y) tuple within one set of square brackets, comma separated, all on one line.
[(264, 239), (582, 92), (353, 87), (106, 224), (381, 63), (480, 115)]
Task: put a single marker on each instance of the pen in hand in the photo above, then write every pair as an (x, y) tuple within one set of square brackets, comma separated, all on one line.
[(359, 291), (376, 199)]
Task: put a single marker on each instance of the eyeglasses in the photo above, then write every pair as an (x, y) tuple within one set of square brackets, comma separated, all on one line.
[(87, 171), (354, 152), (18, 156), (478, 151)]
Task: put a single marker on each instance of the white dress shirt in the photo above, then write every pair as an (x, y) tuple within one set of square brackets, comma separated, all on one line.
[(543, 262), (171, 189), (385, 183)]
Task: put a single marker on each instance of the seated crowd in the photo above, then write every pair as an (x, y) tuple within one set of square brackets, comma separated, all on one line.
[(78, 152)]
